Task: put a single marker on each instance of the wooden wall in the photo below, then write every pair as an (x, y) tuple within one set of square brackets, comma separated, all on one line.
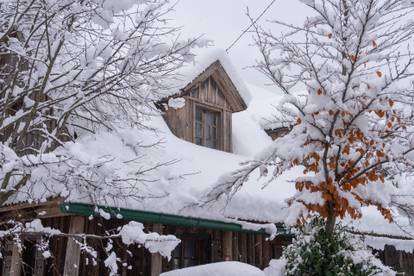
[(399, 260), (181, 121), (208, 246)]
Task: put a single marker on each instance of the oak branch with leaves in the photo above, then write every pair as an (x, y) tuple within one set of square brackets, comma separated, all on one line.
[(346, 75)]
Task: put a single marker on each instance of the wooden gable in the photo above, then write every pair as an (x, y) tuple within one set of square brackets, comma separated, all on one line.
[(212, 94), (230, 93)]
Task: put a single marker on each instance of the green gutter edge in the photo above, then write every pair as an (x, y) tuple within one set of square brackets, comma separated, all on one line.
[(84, 209)]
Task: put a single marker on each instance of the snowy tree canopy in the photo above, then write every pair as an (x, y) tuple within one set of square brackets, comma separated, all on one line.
[(351, 128), (75, 76), (73, 68)]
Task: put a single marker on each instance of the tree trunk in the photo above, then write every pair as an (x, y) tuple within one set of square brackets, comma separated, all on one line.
[(331, 219), (227, 246)]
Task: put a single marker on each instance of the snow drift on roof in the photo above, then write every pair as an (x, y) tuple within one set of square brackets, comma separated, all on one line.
[(178, 187), (191, 71)]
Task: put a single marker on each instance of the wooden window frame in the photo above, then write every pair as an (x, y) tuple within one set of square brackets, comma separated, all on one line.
[(219, 129)]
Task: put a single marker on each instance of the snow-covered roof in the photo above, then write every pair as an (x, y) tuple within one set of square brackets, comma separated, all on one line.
[(183, 172)]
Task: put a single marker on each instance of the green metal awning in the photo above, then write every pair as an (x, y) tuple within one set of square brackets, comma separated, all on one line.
[(84, 209)]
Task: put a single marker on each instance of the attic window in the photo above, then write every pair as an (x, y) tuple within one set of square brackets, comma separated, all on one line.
[(207, 131)]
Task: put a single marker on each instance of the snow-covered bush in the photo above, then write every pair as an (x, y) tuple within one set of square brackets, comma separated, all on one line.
[(315, 252)]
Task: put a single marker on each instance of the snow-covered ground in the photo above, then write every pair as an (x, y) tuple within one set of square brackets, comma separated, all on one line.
[(275, 268), (218, 269)]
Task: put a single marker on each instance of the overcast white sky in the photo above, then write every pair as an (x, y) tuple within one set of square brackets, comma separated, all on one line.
[(223, 21)]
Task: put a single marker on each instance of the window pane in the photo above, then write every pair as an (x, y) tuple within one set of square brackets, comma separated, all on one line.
[(206, 128), (211, 136), (208, 132), (199, 126), (211, 118), (199, 114), (198, 131), (210, 143), (214, 133), (199, 134)]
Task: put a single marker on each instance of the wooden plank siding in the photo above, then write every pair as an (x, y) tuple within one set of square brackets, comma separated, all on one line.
[(198, 246), (12, 264), (399, 260), (228, 247), (156, 258), (72, 260)]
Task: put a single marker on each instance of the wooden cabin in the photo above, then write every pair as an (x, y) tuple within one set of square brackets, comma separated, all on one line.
[(206, 120)]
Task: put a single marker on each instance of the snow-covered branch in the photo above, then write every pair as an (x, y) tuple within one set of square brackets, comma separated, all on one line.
[(76, 69), (129, 234)]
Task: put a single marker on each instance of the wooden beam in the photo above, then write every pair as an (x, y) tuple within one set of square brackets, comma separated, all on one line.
[(216, 246), (228, 246), (72, 258), (25, 211), (244, 247), (39, 265), (259, 250), (251, 250), (236, 252), (156, 259), (19, 206), (12, 262), (267, 252)]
